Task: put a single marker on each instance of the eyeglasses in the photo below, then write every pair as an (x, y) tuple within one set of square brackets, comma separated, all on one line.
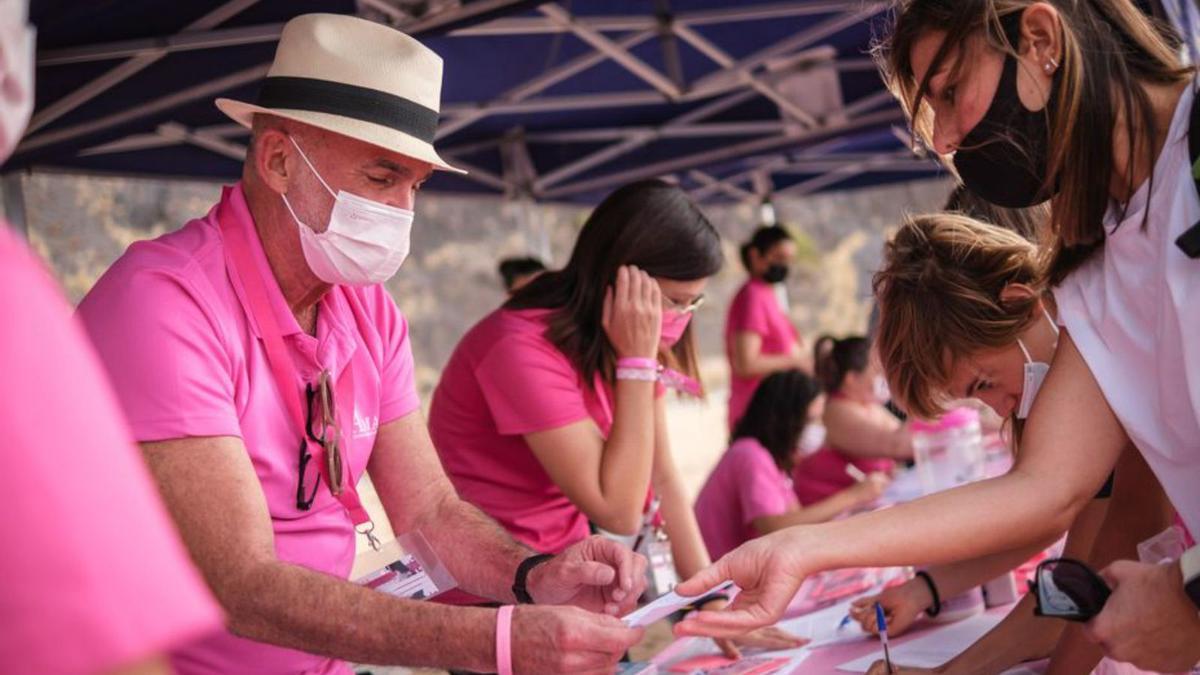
[(689, 308), (1068, 589), (326, 435)]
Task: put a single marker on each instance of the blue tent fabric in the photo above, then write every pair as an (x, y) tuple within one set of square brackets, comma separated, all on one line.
[(480, 67)]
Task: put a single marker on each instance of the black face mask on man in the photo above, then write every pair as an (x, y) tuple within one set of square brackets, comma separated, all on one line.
[(1004, 158), (775, 274)]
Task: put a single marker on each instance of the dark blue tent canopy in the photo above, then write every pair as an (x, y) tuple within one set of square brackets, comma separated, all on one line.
[(551, 101)]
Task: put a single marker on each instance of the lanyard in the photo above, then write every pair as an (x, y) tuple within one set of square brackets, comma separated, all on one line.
[(286, 378)]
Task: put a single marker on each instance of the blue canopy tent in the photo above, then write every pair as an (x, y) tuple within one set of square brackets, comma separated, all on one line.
[(545, 101)]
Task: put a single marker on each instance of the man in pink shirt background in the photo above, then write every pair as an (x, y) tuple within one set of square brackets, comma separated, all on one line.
[(759, 336), (341, 142), (93, 578)]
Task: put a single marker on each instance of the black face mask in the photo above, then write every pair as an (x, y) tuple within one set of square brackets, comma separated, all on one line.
[(775, 274), (1004, 158)]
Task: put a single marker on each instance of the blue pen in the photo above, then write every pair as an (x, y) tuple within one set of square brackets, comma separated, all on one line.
[(887, 657), (845, 622)]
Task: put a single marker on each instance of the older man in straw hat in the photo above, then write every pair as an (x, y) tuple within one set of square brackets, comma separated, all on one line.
[(263, 367)]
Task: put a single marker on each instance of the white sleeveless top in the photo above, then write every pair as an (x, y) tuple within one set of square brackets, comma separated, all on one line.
[(1134, 312)]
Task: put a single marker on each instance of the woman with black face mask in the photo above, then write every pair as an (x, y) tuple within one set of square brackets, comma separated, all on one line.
[(759, 337), (1085, 103)]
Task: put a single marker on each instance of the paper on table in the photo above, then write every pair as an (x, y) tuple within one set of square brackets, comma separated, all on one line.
[(666, 605), (824, 627), (934, 649)]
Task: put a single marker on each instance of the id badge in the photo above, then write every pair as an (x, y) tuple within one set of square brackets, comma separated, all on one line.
[(406, 567), (660, 572)]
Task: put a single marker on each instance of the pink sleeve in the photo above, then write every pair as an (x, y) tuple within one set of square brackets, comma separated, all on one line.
[(748, 314), (530, 386), (94, 576), (397, 375), (760, 490), (165, 355)]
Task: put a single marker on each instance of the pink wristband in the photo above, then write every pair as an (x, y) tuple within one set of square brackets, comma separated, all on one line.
[(504, 640), (637, 362)]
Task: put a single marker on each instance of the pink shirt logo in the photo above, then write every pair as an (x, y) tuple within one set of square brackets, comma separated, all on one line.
[(364, 425)]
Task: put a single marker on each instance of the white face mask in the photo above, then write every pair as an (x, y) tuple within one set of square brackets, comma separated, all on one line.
[(812, 438), (17, 43), (365, 242), (882, 393), (1035, 374)]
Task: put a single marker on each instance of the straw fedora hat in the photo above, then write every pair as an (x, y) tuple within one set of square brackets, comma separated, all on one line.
[(356, 78)]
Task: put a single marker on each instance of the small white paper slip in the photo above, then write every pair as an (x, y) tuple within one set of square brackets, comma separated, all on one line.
[(666, 604), (934, 649)]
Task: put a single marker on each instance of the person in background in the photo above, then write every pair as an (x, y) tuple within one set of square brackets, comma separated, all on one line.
[(997, 328), (860, 431), (550, 414), (264, 368), (94, 578), (759, 336), (749, 493), (1087, 104), (516, 273)]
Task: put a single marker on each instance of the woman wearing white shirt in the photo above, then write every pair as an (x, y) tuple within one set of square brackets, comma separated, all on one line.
[(1088, 104)]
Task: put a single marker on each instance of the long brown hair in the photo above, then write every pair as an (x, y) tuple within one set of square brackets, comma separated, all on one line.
[(1111, 51), (939, 294), (651, 224)]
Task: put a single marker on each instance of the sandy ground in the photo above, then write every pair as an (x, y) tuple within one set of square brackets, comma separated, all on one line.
[(698, 437)]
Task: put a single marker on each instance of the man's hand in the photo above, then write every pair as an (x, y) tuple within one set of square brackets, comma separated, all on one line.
[(1149, 620), (902, 606), (767, 569), (597, 574), (568, 640)]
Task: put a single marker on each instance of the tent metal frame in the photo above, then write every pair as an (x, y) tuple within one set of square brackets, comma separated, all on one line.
[(734, 82)]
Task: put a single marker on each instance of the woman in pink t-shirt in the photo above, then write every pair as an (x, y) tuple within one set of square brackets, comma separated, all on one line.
[(759, 337), (749, 493), (548, 414), (859, 430)]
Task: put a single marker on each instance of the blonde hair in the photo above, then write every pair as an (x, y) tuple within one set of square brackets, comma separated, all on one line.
[(1111, 51), (939, 295)]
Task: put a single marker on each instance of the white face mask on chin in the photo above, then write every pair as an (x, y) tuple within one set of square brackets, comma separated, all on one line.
[(365, 242), (1035, 374), (17, 44)]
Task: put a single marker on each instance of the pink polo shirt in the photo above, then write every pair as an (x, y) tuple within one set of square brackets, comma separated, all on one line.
[(171, 323), (746, 484), (755, 309), (93, 575), (505, 380)]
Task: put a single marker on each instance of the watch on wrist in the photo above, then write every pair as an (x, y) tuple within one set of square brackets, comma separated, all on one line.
[(1189, 565), (519, 591)]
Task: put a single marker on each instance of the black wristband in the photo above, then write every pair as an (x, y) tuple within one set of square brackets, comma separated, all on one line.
[(936, 608), (518, 588), (709, 598)]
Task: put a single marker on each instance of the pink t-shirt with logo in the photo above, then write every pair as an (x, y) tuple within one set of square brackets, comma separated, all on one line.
[(755, 309), (171, 323), (505, 380), (746, 484), (93, 575)]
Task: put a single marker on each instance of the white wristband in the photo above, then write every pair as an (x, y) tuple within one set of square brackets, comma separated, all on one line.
[(639, 374)]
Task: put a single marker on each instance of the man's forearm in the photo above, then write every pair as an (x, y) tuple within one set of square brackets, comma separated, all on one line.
[(480, 554), (290, 606)]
